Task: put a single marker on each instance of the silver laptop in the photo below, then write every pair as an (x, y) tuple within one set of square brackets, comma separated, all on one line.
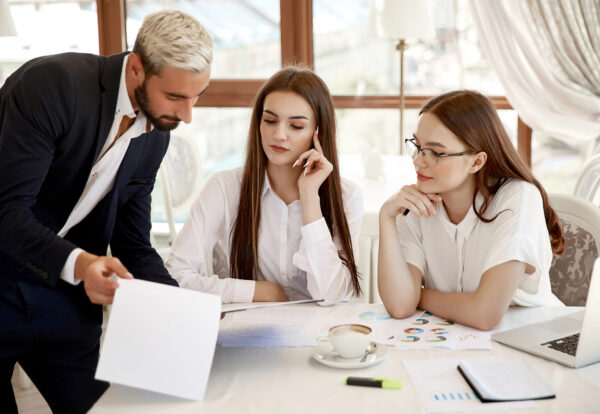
[(573, 340)]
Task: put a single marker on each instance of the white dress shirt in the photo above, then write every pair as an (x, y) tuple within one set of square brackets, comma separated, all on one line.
[(302, 259), (453, 257), (104, 171)]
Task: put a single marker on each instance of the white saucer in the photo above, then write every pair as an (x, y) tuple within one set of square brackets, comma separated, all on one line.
[(332, 359)]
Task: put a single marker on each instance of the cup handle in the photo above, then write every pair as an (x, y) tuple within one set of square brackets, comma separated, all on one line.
[(324, 345)]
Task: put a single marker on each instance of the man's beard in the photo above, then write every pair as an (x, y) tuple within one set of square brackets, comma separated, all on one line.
[(163, 123)]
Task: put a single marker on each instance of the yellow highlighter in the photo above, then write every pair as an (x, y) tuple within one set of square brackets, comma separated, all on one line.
[(390, 384)]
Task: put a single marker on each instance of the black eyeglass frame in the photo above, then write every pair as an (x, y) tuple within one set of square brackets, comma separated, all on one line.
[(436, 154)]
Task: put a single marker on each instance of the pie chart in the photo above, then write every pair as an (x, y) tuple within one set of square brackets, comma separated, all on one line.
[(445, 323), (413, 330), (410, 338), (438, 338)]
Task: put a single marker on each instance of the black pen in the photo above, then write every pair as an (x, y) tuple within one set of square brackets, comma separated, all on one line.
[(405, 212), (391, 384)]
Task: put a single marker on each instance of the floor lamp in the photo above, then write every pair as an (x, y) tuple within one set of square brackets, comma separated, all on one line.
[(7, 26), (401, 20)]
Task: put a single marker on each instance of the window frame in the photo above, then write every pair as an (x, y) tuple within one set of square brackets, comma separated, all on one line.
[(296, 48)]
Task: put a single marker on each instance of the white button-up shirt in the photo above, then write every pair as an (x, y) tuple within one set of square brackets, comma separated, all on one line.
[(302, 259), (103, 174), (454, 257)]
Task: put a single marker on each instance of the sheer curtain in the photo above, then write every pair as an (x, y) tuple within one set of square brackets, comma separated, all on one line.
[(547, 56)]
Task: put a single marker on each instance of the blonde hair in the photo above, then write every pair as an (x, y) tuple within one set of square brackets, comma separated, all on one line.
[(171, 37)]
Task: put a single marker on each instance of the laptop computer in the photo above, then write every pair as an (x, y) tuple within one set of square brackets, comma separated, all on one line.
[(573, 340)]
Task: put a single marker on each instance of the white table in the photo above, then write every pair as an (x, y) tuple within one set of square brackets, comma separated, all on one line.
[(287, 380)]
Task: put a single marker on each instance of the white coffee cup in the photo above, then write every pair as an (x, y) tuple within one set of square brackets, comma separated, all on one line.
[(348, 340)]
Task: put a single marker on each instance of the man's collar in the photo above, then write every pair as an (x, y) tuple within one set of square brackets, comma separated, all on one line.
[(124, 106)]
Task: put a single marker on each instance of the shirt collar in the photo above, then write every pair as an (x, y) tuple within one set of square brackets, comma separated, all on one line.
[(466, 226), (124, 105), (266, 185)]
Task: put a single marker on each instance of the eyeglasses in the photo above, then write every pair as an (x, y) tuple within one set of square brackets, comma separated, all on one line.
[(430, 156)]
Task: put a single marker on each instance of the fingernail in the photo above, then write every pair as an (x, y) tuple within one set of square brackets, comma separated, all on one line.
[(295, 162), (305, 172), (307, 162)]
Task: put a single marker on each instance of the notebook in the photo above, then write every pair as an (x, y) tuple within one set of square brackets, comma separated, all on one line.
[(496, 380), (573, 340)]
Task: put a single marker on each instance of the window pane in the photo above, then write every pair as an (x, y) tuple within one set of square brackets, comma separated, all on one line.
[(245, 32), (555, 163), (48, 27), (364, 131), (452, 60)]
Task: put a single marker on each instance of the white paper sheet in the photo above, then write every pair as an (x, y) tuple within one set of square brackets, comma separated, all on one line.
[(235, 307), (160, 338), (442, 389), (292, 325)]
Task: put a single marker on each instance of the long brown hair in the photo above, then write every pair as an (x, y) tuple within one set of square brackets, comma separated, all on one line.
[(473, 119), (244, 233)]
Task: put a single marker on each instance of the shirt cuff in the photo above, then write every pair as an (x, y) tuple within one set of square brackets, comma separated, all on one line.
[(315, 232), (68, 271), (243, 290)]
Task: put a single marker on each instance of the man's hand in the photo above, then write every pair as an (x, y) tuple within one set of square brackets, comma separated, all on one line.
[(95, 271), (266, 291)]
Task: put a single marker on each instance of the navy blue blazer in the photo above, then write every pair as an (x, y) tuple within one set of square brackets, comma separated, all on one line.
[(55, 114)]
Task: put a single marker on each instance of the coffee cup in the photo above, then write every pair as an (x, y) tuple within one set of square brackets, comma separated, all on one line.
[(348, 340)]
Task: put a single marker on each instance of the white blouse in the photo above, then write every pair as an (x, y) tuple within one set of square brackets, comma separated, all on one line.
[(453, 257), (302, 260)]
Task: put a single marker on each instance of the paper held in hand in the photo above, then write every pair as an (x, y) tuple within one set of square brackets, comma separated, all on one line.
[(160, 338)]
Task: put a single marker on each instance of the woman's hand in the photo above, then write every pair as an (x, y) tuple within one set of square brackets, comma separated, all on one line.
[(316, 169), (412, 199)]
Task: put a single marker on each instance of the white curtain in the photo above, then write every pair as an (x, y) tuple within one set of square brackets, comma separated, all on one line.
[(543, 91)]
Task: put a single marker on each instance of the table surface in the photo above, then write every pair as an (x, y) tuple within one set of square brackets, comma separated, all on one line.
[(288, 380)]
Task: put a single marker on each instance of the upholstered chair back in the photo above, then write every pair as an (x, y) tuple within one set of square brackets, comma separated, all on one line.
[(570, 272)]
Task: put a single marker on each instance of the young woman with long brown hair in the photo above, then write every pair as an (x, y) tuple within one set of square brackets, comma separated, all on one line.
[(479, 232), (286, 220)]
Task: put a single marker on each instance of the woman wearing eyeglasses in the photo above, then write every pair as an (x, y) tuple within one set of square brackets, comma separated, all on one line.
[(476, 233)]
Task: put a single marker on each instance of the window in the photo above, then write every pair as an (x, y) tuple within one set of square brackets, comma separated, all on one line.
[(67, 26), (245, 33), (451, 60)]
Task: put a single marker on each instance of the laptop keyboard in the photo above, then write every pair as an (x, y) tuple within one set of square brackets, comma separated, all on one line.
[(568, 344)]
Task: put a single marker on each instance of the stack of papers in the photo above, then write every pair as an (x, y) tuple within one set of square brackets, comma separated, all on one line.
[(301, 324), (420, 331)]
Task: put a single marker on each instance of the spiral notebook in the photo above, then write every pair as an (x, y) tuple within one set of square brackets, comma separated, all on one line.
[(496, 380)]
